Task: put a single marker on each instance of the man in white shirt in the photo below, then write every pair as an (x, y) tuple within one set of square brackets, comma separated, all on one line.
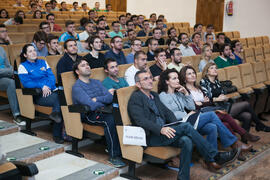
[(176, 57), (18, 4), (184, 47), (89, 30), (140, 63)]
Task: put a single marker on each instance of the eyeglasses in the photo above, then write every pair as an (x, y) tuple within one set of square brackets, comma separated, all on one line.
[(146, 78), (4, 31), (45, 27)]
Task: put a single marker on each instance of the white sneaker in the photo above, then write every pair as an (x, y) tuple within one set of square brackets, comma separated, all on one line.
[(19, 121)]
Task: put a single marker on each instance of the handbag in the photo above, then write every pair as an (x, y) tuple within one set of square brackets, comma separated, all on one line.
[(228, 87)]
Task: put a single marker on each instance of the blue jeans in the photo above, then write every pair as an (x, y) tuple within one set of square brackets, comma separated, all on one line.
[(210, 125), (51, 101), (107, 121), (185, 137)]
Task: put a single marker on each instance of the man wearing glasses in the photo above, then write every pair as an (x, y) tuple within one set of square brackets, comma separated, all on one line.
[(116, 50), (136, 45), (51, 20), (146, 31), (45, 27), (116, 30), (4, 38), (39, 43)]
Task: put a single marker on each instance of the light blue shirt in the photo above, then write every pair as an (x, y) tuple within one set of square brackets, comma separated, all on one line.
[(65, 36), (112, 34), (42, 52), (130, 58)]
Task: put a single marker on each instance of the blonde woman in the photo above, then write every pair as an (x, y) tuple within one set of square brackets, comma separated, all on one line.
[(206, 56)]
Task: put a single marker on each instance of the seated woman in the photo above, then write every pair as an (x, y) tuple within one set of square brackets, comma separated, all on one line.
[(241, 110), (176, 98), (37, 15), (206, 56), (36, 73), (188, 79)]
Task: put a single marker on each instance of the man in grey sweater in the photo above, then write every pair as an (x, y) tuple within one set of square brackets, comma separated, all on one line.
[(8, 84)]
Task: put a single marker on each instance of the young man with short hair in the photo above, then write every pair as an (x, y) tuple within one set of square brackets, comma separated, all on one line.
[(184, 47), (48, 8), (172, 43), (45, 27), (157, 34), (113, 82), (134, 19), (160, 65), (84, 7), (54, 5), (75, 7), (53, 47), (95, 59), (39, 43), (66, 62), (209, 30), (108, 8), (101, 23), (33, 8), (92, 15), (196, 43), (160, 25), (97, 7), (176, 57), (18, 4), (172, 34), (198, 28), (123, 21), (209, 40), (226, 57), (140, 63), (92, 93), (146, 110), (130, 25), (116, 30), (237, 48), (146, 30), (153, 19), (4, 38), (136, 45), (220, 41), (152, 46), (101, 33), (63, 6), (51, 20), (140, 21), (89, 31), (131, 35), (70, 32), (116, 50)]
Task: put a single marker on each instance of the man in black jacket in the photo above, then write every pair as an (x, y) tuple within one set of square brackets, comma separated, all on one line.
[(147, 111)]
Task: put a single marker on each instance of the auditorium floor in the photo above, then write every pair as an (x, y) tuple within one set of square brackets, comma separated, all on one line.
[(258, 169)]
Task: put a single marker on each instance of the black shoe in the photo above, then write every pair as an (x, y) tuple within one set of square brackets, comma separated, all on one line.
[(58, 140), (262, 127), (55, 116), (224, 158), (19, 121)]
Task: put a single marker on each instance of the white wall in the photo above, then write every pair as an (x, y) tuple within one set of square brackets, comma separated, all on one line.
[(90, 4), (250, 17), (174, 10)]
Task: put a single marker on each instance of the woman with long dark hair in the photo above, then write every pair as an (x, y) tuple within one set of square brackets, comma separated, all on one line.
[(241, 110), (36, 73), (188, 78)]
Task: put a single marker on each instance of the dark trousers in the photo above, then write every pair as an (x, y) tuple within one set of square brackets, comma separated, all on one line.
[(107, 121), (185, 137), (51, 101)]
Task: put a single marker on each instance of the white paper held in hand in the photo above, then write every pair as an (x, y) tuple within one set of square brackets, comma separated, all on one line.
[(134, 135)]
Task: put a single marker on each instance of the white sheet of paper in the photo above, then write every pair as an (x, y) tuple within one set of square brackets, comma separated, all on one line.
[(134, 135)]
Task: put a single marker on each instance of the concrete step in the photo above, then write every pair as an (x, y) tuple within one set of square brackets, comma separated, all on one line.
[(7, 128)]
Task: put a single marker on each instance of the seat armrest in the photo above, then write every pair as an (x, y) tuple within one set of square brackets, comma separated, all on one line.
[(76, 108), (31, 91), (26, 169)]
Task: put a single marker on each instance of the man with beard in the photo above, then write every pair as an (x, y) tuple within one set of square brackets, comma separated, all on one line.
[(66, 62), (140, 63), (113, 81), (101, 33), (53, 46), (116, 50), (176, 57), (226, 57), (184, 47)]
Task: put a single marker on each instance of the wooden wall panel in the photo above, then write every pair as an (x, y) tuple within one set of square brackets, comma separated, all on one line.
[(118, 5), (210, 12)]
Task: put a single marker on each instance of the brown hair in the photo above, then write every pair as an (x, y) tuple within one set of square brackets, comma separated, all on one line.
[(205, 69)]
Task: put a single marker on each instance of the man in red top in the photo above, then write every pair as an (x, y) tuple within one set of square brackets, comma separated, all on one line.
[(54, 27), (196, 43)]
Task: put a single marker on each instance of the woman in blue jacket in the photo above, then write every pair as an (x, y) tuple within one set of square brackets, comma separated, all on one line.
[(36, 73)]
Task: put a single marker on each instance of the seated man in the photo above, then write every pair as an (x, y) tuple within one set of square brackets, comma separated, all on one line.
[(48, 8), (131, 35), (45, 27), (146, 31), (89, 31), (146, 103), (66, 62), (116, 30), (209, 40), (176, 57), (101, 23), (92, 93), (92, 16), (157, 35), (4, 38), (172, 43), (184, 47), (53, 46), (113, 82), (220, 41), (160, 65), (14, 21), (84, 8), (136, 45), (140, 21), (172, 34), (51, 20), (97, 7), (237, 48), (95, 59), (209, 30), (54, 5), (39, 42), (116, 51), (123, 21), (7, 84), (70, 32), (226, 57), (153, 19), (18, 4), (63, 6), (33, 8), (75, 7), (152, 46), (101, 33), (134, 19), (196, 43), (140, 63), (160, 25)]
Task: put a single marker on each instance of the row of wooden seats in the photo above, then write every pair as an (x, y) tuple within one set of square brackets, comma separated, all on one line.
[(258, 53), (253, 41)]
